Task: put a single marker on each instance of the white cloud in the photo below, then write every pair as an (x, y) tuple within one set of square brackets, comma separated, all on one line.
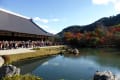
[(55, 20), (53, 31), (38, 19), (101, 1), (41, 20), (115, 3), (47, 28), (45, 63), (42, 26)]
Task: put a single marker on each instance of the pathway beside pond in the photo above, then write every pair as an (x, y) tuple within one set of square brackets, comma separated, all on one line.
[(21, 50)]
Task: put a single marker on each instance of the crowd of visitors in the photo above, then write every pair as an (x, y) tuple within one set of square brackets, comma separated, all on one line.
[(4, 45)]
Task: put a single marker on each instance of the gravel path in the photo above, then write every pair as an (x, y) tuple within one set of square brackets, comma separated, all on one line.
[(20, 50), (15, 51)]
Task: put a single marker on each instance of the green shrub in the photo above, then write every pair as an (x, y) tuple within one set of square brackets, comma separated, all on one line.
[(22, 77)]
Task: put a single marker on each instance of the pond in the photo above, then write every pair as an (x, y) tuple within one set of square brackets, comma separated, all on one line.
[(73, 67)]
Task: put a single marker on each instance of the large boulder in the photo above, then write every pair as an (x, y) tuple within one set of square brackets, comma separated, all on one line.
[(1, 61), (9, 70), (106, 75), (75, 51)]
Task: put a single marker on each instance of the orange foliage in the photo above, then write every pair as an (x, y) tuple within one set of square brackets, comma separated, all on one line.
[(114, 29), (88, 36), (68, 36), (102, 40), (117, 29), (78, 36), (103, 35), (109, 34)]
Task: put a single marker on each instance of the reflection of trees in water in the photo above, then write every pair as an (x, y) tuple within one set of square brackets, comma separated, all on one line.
[(113, 61), (105, 57), (27, 66)]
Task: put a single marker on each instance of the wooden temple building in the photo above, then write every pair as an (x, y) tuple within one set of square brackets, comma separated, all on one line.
[(17, 27)]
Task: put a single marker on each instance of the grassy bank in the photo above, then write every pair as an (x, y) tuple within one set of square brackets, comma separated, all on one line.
[(39, 52)]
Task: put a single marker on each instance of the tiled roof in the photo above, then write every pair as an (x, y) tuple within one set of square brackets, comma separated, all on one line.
[(14, 22)]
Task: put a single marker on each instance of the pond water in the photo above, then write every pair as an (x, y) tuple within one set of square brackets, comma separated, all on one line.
[(73, 67)]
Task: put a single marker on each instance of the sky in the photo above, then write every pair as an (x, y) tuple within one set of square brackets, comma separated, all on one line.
[(55, 15)]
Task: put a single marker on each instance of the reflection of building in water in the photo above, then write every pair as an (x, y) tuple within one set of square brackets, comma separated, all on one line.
[(17, 27)]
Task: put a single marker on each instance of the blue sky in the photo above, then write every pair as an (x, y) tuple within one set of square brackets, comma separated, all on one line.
[(54, 15)]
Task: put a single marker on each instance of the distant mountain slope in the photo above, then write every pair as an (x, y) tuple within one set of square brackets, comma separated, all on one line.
[(104, 22)]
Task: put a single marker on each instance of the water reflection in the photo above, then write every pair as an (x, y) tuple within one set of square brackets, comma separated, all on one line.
[(69, 69), (28, 66), (72, 67)]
